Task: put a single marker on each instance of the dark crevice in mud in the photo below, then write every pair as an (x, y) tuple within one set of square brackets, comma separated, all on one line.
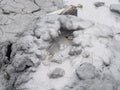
[(106, 64), (27, 66), (66, 33), (36, 10), (9, 50), (7, 12), (25, 69), (64, 30)]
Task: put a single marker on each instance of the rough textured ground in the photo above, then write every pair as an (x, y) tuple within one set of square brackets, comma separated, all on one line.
[(16, 14), (60, 52), (63, 52)]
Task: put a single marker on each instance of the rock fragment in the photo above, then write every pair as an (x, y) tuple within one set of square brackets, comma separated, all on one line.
[(86, 71), (99, 4), (57, 73), (115, 8)]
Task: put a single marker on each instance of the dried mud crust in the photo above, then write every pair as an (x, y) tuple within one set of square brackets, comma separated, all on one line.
[(65, 42), (15, 14)]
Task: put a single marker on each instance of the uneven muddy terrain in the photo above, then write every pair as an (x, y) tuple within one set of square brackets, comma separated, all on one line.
[(42, 50)]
